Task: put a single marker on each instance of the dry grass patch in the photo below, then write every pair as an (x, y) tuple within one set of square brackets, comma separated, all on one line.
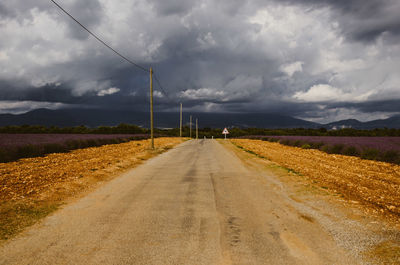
[(389, 251)]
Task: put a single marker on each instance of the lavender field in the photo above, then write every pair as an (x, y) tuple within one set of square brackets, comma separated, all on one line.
[(374, 148), (16, 146), (380, 143), (8, 140)]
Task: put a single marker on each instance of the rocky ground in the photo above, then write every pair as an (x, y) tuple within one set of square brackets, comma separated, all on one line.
[(372, 183), (32, 188)]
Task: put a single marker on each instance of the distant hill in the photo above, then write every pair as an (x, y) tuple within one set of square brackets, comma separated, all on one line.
[(350, 123), (392, 122), (99, 117)]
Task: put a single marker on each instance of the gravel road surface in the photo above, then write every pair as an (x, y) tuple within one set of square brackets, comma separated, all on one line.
[(196, 204)]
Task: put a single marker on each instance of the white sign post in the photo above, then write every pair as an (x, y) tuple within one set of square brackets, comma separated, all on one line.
[(225, 132)]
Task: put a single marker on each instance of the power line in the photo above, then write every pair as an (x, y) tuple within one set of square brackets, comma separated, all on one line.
[(112, 49), (161, 87), (100, 40)]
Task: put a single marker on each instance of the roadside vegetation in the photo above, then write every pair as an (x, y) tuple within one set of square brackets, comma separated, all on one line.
[(32, 141), (120, 129), (26, 141), (260, 132), (386, 149), (208, 132), (17, 146)]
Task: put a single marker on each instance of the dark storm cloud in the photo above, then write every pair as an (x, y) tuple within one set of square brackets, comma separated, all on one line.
[(172, 7), (371, 106), (238, 56), (88, 12), (21, 10), (62, 94), (48, 93), (362, 8), (362, 20), (3, 10)]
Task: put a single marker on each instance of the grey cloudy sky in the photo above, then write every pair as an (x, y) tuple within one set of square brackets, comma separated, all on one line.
[(320, 60)]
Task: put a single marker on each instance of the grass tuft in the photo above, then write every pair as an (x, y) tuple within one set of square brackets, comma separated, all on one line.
[(14, 217)]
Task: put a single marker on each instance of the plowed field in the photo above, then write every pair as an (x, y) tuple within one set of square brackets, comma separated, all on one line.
[(370, 182)]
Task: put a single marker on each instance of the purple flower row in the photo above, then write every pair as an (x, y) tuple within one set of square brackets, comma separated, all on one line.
[(16, 146), (7, 140), (374, 148), (360, 143)]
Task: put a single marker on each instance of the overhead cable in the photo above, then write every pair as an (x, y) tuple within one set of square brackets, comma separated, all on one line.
[(100, 40)]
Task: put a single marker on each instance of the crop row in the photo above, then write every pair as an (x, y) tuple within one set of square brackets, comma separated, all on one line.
[(13, 152), (351, 147), (8, 139)]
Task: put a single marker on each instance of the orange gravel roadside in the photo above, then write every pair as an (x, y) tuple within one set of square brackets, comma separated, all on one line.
[(374, 183), (32, 188), (40, 176)]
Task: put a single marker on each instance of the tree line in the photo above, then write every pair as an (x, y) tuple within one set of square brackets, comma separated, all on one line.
[(207, 132)]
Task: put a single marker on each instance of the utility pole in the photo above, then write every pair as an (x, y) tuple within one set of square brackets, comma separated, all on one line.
[(180, 130), (190, 126), (197, 130), (151, 109)]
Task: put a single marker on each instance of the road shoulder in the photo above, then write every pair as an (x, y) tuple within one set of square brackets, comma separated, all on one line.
[(371, 238), (34, 188)]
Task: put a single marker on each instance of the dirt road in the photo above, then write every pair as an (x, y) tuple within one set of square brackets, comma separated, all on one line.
[(196, 204)]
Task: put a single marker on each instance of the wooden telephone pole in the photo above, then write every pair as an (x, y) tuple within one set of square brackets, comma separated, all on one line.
[(190, 125), (151, 109), (180, 130), (197, 130)]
